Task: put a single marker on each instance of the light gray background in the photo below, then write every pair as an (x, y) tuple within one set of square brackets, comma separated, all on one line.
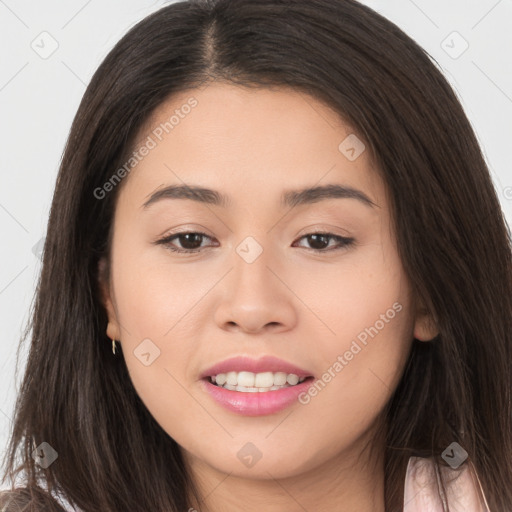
[(39, 95)]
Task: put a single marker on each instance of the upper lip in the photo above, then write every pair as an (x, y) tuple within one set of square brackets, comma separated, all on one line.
[(247, 364)]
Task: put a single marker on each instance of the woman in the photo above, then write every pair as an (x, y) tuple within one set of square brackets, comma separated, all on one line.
[(342, 339)]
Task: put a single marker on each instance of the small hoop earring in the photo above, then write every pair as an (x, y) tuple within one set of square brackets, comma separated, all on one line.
[(114, 347)]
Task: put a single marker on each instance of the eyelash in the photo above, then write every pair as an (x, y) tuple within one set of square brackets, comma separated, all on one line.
[(166, 241)]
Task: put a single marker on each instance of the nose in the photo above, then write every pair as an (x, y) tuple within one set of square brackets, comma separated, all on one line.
[(255, 296)]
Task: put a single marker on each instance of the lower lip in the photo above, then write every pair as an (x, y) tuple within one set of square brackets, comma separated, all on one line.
[(257, 403)]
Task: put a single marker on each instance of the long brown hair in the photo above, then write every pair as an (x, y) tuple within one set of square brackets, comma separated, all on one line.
[(453, 240)]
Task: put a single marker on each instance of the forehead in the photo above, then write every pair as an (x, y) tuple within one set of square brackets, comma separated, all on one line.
[(245, 140)]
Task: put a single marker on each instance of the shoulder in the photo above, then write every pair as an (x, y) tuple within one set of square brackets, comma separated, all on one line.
[(28, 500), (423, 489)]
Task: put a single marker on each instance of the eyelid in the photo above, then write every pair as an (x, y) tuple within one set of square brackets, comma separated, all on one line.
[(187, 228), (326, 229)]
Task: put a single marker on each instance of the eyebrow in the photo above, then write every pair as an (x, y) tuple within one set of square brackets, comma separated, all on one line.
[(289, 198)]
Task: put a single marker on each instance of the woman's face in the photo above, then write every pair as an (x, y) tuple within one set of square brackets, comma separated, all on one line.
[(343, 313)]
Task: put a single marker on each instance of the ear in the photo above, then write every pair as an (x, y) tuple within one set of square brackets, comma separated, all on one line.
[(113, 330), (425, 328)]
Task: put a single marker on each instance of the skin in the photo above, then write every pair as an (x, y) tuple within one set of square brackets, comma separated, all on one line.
[(291, 302)]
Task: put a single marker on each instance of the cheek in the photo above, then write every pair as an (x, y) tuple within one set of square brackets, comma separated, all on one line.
[(152, 301), (152, 294), (362, 365), (362, 298), (363, 351)]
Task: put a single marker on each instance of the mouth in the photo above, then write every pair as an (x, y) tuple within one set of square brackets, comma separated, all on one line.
[(256, 394), (255, 387), (249, 382)]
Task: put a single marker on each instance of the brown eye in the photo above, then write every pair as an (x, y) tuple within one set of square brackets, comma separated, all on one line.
[(190, 241), (320, 241)]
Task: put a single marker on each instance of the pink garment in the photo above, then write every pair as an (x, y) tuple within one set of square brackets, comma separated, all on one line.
[(464, 491)]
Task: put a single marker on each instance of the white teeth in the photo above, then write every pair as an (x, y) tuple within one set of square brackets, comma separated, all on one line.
[(247, 389), (264, 380), (280, 379), (255, 382), (246, 379), (231, 378), (220, 379), (292, 379)]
